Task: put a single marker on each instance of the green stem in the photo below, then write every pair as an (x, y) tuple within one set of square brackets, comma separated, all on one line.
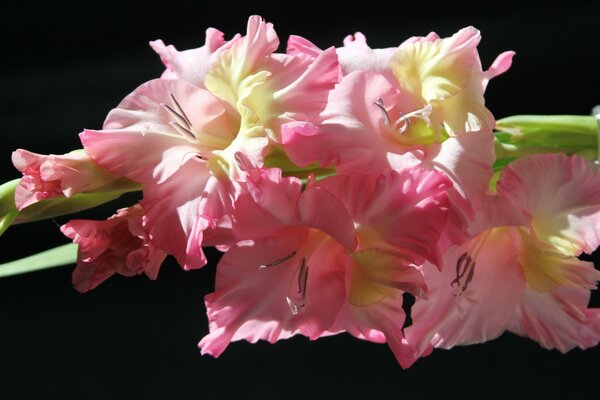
[(8, 211), (56, 257)]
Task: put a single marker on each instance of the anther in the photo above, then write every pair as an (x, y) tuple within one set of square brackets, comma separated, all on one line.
[(302, 278), (403, 123), (183, 131), (381, 106), (297, 300), (465, 265), (180, 110), (278, 261), (180, 122)]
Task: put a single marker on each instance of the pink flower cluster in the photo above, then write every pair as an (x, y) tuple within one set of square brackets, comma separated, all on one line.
[(337, 182)]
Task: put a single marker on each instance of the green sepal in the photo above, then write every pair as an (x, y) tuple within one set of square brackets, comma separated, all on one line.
[(53, 207), (569, 131)]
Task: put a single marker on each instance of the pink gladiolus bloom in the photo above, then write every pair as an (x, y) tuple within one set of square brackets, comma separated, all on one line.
[(443, 73), (118, 245), (519, 271), (274, 88), (336, 257), (51, 176), (177, 140), (369, 126), (447, 75), (182, 142)]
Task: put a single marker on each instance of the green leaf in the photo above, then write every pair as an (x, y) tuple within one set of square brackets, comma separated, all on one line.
[(56, 257)]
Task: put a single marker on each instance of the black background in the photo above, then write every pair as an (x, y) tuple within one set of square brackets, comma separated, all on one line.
[(64, 67)]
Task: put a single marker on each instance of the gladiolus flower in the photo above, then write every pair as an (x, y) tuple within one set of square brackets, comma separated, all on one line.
[(182, 141), (447, 74), (336, 257), (51, 176), (519, 271), (368, 127), (118, 245), (273, 88)]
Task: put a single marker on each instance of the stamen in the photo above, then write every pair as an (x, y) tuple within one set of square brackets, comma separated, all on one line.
[(297, 300), (182, 130), (381, 106), (464, 265), (180, 110), (174, 114), (471, 268), (278, 261), (186, 157), (181, 121), (403, 123), (302, 278)]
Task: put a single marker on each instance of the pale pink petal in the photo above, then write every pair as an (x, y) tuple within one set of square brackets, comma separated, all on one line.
[(290, 88), (558, 319), (269, 204), (305, 96), (500, 65), (260, 41), (220, 234), (253, 303), (402, 212), (350, 135), (304, 143), (252, 221), (299, 46), (376, 280), (431, 37), (181, 208), (324, 211), (496, 211), (139, 141), (277, 194), (241, 308), (142, 158), (451, 316), (241, 59), (468, 160), (356, 55), (191, 65), (561, 195), (379, 323)]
